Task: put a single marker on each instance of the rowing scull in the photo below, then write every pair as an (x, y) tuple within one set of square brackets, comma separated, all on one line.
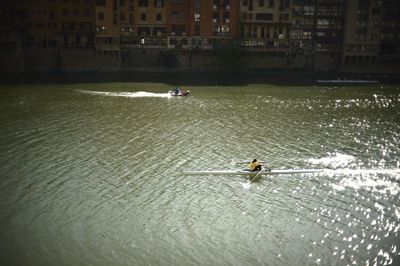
[(246, 172)]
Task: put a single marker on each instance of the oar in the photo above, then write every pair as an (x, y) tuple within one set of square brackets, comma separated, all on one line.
[(257, 174), (246, 162)]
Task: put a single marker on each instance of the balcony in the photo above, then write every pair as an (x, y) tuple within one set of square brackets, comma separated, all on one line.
[(144, 42), (180, 43), (107, 46), (331, 3), (203, 44), (77, 28), (218, 33)]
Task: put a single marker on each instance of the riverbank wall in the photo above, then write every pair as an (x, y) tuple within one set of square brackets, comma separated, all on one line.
[(17, 59)]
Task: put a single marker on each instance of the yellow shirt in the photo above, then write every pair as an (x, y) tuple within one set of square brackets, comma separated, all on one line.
[(252, 166)]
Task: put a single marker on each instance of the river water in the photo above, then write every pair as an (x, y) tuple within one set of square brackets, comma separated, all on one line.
[(91, 174)]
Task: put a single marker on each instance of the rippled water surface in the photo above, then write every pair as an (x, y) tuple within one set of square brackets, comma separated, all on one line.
[(91, 174)]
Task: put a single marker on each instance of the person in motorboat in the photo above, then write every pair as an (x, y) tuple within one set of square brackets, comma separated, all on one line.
[(256, 166), (177, 90)]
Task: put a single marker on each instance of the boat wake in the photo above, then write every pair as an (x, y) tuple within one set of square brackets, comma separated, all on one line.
[(334, 160), (384, 181), (347, 173), (364, 172), (136, 94), (343, 164)]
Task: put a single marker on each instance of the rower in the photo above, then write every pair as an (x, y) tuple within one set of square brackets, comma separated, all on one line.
[(255, 166)]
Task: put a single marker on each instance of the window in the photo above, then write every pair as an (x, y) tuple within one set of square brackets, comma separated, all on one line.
[(178, 15), (226, 17), (158, 3), (100, 16), (307, 35), (143, 3), (178, 29), (322, 23), (260, 2), (284, 17), (309, 10), (250, 4), (143, 17), (127, 29), (225, 30), (159, 17), (226, 4), (144, 31), (52, 25), (197, 17), (264, 16), (158, 31), (39, 25), (309, 22), (248, 32), (376, 10), (216, 17), (267, 33), (274, 33), (100, 2), (101, 29)]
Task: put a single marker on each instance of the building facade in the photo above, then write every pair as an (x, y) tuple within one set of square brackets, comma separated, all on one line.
[(188, 34), (372, 36), (55, 34), (265, 25)]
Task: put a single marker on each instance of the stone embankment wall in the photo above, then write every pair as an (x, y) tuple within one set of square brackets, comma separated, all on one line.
[(11, 58), (41, 59), (16, 59), (382, 65), (81, 59)]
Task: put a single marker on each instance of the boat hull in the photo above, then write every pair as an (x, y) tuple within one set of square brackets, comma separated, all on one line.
[(245, 172), (179, 95), (344, 81)]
